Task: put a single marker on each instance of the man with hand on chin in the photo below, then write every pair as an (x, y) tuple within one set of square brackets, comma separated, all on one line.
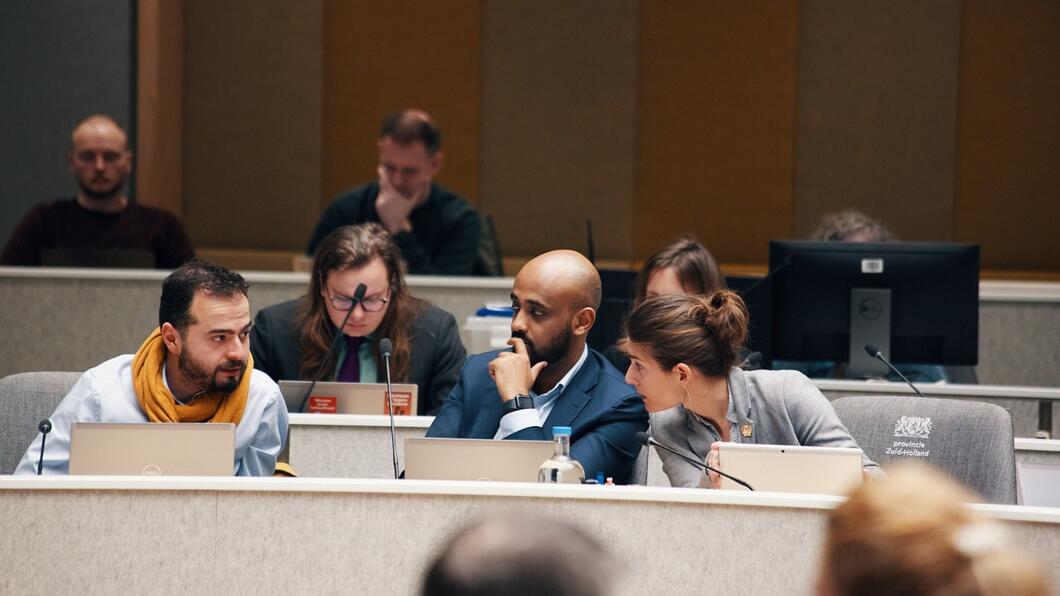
[(550, 377), (436, 230), (194, 367)]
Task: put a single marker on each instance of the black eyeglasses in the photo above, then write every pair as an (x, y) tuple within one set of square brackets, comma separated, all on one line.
[(373, 304)]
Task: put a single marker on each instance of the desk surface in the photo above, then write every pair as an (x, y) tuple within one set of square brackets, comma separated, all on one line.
[(937, 389), (528, 490)]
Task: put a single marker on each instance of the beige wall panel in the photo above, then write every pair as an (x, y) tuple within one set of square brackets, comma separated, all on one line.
[(717, 104), (1008, 176), (380, 57), (877, 113), (559, 123), (252, 122)]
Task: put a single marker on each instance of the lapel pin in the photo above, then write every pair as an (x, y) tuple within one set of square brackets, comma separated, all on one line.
[(745, 431)]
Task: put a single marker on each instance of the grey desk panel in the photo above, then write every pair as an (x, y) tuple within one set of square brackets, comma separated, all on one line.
[(1021, 402), (72, 319), (348, 451), (247, 535), (68, 319)]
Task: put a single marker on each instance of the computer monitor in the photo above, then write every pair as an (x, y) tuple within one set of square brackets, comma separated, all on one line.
[(616, 299), (755, 292), (918, 303)]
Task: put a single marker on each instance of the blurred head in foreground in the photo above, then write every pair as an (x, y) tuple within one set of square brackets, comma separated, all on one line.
[(520, 554), (911, 534)]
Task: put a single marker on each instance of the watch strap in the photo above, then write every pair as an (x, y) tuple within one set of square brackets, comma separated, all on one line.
[(519, 402)]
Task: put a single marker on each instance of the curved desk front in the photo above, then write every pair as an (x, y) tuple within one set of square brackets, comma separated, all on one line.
[(275, 535)]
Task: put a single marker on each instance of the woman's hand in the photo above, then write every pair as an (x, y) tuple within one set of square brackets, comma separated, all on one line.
[(714, 461)]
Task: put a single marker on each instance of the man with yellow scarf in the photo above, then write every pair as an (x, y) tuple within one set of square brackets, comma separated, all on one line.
[(190, 369)]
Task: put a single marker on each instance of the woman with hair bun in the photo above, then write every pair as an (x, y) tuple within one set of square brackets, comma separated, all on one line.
[(684, 353)]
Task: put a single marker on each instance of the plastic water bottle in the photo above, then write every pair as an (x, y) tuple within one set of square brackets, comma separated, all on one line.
[(560, 468)]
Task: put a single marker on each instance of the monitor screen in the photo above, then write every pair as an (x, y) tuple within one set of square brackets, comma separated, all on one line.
[(616, 298), (919, 303)]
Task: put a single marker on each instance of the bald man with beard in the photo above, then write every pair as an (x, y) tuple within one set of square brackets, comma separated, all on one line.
[(550, 377), (100, 218)]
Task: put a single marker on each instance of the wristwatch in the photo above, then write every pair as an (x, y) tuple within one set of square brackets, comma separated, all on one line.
[(519, 402)]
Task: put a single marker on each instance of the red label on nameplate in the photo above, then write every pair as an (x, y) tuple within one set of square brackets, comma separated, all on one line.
[(323, 404), (402, 404)]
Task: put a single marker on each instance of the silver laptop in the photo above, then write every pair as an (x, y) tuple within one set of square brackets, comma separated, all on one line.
[(793, 469), (474, 459), (146, 449), (351, 398)]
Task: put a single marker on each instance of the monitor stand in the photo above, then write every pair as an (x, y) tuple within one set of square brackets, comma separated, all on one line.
[(870, 323)]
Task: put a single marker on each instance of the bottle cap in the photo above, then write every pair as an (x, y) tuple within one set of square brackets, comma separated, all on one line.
[(560, 430)]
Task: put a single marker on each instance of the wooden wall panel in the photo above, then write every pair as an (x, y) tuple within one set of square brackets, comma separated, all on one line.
[(877, 113), (1008, 177), (559, 123), (380, 57), (252, 122), (715, 125), (159, 157)]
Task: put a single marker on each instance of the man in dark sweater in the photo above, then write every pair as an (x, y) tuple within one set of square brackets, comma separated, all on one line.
[(436, 230), (100, 219)]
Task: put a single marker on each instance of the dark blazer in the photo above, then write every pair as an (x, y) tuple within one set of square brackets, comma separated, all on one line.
[(434, 346), (604, 414)]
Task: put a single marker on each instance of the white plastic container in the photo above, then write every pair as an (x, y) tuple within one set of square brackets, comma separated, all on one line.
[(487, 333)]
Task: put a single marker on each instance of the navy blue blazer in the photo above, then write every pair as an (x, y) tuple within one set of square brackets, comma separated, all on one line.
[(604, 414)]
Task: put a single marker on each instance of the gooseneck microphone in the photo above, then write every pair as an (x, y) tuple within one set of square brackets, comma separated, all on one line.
[(358, 296), (44, 427), (876, 353), (645, 439), (385, 349)]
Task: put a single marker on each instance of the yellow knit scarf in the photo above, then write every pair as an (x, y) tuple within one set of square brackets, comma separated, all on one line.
[(160, 406)]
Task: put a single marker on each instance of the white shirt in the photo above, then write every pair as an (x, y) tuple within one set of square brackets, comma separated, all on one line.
[(513, 422), (105, 394)]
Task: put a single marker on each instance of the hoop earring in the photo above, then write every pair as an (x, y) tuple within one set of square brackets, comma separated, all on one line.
[(688, 395)]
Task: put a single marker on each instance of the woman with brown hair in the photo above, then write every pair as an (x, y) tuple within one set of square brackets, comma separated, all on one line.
[(684, 353), (911, 534), (290, 340), (682, 267)]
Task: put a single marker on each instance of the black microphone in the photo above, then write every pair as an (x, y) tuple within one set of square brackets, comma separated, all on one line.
[(876, 353), (358, 296), (44, 427), (385, 349), (646, 439)]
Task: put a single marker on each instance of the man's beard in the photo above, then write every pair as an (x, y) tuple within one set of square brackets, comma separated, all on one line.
[(101, 195), (196, 373), (552, 352)]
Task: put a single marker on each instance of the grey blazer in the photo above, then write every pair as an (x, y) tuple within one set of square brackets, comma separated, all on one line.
[(781, 407)]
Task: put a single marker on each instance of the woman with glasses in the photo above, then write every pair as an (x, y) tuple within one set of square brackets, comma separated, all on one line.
[(290, 340)]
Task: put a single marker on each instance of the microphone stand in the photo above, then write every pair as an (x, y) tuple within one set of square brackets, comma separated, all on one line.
[(647, 439), (876, 353), (386, 348)]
